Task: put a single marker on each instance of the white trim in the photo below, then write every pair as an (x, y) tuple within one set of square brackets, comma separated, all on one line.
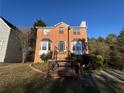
[(65, 46), (44, 51), (5, 23), (61, 23)]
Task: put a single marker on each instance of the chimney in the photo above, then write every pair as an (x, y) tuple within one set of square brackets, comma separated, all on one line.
[(83, 24)]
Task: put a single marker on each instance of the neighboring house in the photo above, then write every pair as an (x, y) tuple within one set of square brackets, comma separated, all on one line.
[(64, 39), (10, 46)]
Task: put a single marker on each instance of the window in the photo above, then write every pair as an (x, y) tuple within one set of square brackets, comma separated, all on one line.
[(61, 30), (74, 47), (44, 46), (76, 32), (49, 46), (77, 47), (61, 46)]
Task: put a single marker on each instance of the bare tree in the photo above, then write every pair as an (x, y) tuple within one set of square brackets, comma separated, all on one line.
[(27, 38), (24, 37), (25, 44)]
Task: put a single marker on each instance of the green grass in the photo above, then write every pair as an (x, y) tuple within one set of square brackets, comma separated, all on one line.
[(19, 78)]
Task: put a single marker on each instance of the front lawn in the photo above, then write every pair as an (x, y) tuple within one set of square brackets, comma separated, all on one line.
[(20, 78)]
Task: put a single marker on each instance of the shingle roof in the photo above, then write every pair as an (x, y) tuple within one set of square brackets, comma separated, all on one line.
[(75, 27)]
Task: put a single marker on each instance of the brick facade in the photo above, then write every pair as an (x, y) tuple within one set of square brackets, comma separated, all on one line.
[(60, 32)]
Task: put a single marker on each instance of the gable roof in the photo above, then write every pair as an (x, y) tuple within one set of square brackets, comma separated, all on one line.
[(61, 23), (8, 23)]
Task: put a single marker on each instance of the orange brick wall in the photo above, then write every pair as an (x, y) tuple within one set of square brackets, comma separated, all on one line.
[(55, 36)]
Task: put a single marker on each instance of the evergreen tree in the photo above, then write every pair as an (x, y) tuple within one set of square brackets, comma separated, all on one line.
[(39, 22)]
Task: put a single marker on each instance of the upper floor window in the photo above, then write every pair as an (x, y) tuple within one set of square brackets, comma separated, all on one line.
[(61, 30), (61, 46), (76, 32)]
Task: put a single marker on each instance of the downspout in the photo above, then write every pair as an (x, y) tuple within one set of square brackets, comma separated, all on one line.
[(68, 41)]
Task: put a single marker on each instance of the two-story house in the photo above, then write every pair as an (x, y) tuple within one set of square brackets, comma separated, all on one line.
[(62, 38)]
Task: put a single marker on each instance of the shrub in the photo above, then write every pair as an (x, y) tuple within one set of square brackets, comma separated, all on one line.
[(115, 60), (99, 61), (46, 57), (96, 62)]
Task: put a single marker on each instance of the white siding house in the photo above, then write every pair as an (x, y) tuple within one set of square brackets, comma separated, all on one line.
[(10, 46)]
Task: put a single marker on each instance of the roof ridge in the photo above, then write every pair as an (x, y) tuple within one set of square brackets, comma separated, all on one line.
[(61, 23), (8, 23)]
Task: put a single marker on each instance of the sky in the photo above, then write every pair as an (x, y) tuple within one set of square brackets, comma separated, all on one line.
[(102, 16)]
